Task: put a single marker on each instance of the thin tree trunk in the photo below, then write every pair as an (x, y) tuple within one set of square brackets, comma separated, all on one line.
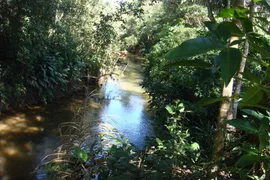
[(219, 139), (225, 113), (228, 3), (210, 11), (239, 83)]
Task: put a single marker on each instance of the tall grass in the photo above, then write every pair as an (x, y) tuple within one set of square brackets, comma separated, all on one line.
[(84, 145)]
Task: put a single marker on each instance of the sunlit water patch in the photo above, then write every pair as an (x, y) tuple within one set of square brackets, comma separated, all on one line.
[(125, 107)]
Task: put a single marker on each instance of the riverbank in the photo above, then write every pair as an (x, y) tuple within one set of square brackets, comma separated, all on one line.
[(30, 133), (26, 134)]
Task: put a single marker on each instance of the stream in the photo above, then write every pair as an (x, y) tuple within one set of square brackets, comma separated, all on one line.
[(28, 134)]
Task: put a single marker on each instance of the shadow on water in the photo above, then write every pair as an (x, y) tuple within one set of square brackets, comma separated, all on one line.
[(26, 135)]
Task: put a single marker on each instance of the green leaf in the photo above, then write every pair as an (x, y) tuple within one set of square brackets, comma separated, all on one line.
[(226, 13), (267, 74), (170, 109), (246, 160), (194, 47), (253, 95), (230, 60), (194, 146), (251, 77), (264, 140), (193, 63), (243, 124), (160, 143), (227, 29), (207, 101), (81, 154), (247, 25), (240, 13), (243, 104), (224, 30), (212, 26), (253, 113)]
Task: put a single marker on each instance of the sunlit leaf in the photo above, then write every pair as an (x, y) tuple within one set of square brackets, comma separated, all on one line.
[(169, 109), (81, 154), (226, 13), (194, 146)]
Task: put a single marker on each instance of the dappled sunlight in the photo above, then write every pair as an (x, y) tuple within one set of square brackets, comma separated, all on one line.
[(18, 125), (24, 135)]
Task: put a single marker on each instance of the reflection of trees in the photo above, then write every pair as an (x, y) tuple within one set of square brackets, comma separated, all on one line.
[(126, 100)]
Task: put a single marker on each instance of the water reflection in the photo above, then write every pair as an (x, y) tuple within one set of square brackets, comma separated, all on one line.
[(125, 107), (26, 136)]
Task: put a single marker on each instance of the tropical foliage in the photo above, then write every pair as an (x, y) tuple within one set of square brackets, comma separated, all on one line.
[(206, 72)]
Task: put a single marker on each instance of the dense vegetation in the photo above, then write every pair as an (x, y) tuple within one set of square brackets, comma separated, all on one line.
[(206, 71), (46, 46)]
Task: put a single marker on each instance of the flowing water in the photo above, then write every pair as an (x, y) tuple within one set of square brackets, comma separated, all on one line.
[(27, 135)]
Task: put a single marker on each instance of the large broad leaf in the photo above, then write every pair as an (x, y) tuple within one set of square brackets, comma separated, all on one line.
[(243, 104), (224, 30), (253, 113), (264, 140), (212, 26), (247, 25), (251, 77), (233, 13), (228, 29), (230, 60), (247, 159), (194, 47), (253, 95), (192, 63), (244, 125)]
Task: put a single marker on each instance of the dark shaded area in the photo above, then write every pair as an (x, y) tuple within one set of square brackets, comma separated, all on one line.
[(27, 134)]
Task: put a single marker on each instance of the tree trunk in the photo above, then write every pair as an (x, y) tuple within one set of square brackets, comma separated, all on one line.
[(225, 113), (219, 139), (239, 83), (210, 11)]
